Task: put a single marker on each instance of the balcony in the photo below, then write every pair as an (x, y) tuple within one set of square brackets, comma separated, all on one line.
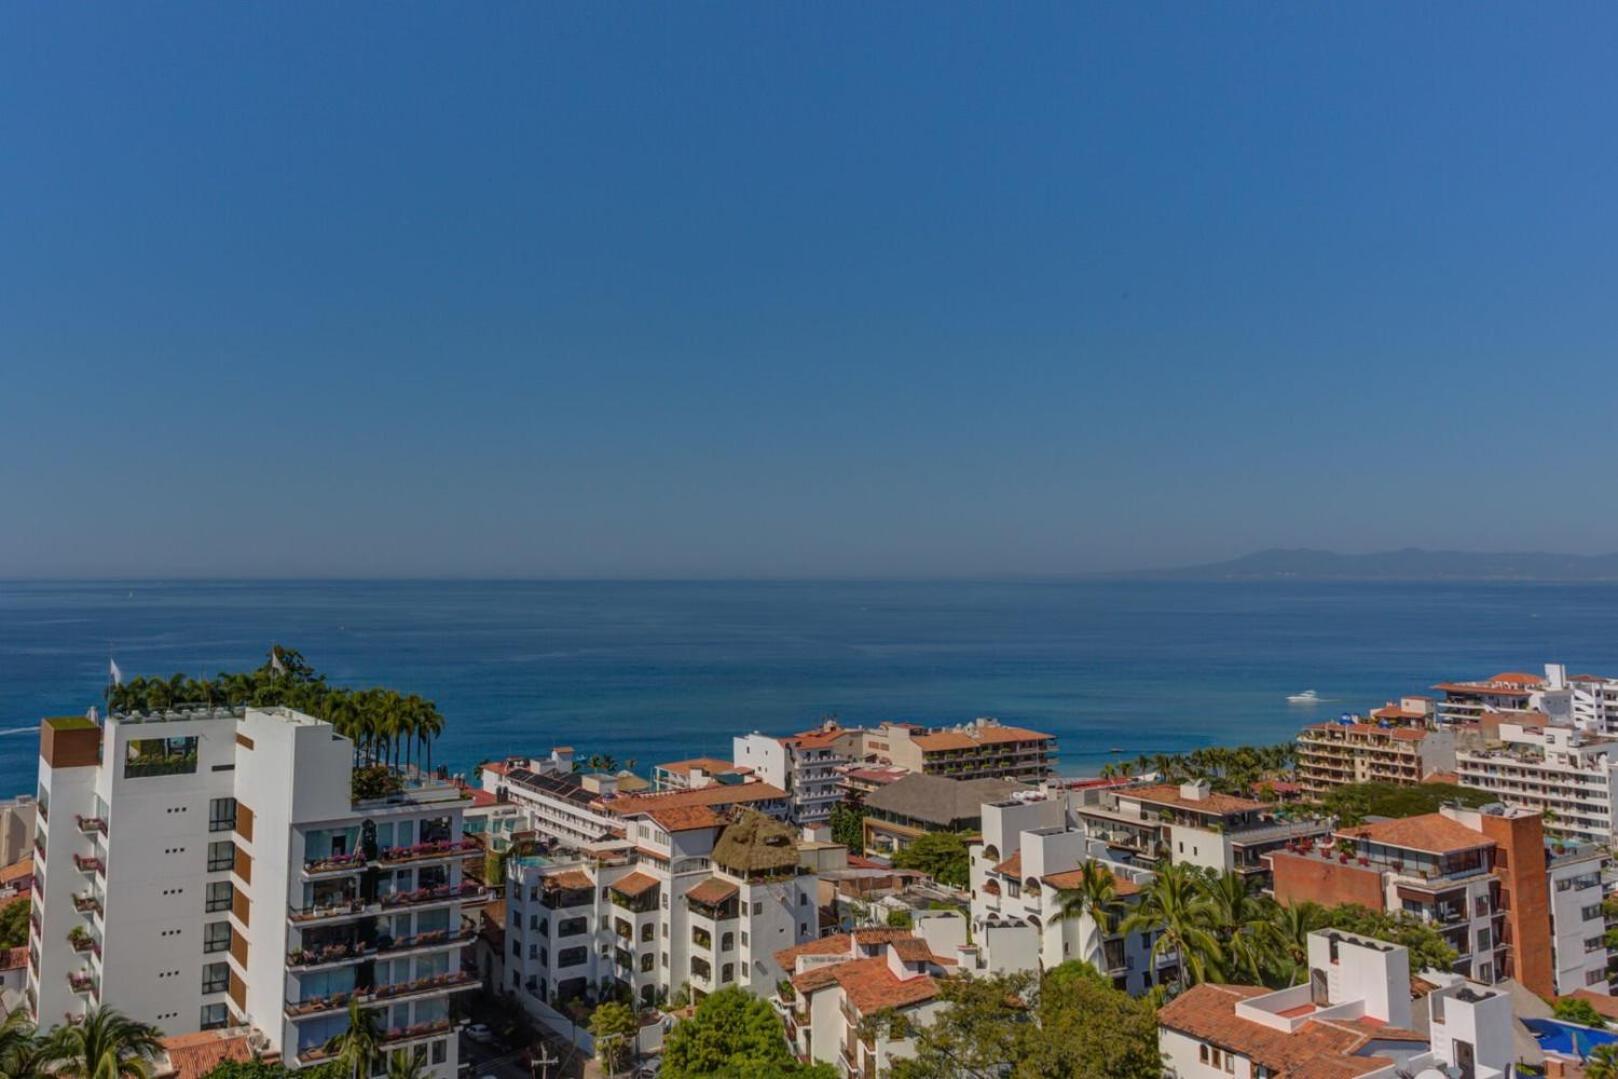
[(426, 852), (82, 981), (85, 863), (402, 991), (333, 865), (91, 825), (86, 902), (392, 1038), (421, 897)]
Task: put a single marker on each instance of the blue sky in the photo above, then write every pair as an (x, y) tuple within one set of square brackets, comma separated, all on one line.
[(800, 290)]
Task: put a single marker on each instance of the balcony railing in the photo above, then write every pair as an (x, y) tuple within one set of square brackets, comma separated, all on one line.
[(421, 896), (334, 863), (445, 848), (82, 981), (399, 991), (88, 825), (86, 863), (390, 1037)]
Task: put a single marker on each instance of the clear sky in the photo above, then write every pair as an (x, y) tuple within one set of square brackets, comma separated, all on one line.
[(801, 289)]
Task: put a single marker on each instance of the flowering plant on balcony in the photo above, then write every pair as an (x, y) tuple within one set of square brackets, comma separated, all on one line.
[(425, 850), (334, 861), (79, 938)]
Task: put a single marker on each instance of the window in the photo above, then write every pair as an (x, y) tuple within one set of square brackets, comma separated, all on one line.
[(727, 942), (219, 893), (571, 957), (758, 906), (647, 933), (215, 936), (441, 1051), (215, 1016), (215, 977), (1590, 914), (160, 757), (572, 927), (646, 962), (1594, 977), (727, 973), (221, 855), (744, 938), (221, 814)]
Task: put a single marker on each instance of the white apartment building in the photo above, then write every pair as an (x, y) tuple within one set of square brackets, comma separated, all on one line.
[(1570, 776), (1354, 1016), (1507, 691), (1032, 849), (805, 765), (687, 898), (1578, 925), (560, 804), (1336, 753), (204, 868), (839, 988), (1595, 703)]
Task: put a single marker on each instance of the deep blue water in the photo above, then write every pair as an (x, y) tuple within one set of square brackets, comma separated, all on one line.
[(656, 671)]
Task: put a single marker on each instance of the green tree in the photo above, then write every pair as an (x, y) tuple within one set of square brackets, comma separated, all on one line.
[(106, 1045), (979, 1030), (256, 1068), (1351, 803), (900, 919), (1602, 1063), (358, 1047), (1176, 906), (1577, 1010), (14, 923), (1242, 918), (407, 1064), (614, 1027), (1428, 949), (23, 1053), (941, 855), (1095, 898), (848, 825), (731, 1029)]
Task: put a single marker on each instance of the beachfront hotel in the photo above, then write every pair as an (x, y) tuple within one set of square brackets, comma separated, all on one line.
[(1340, 752), (808, 765), (205, 868), (1569, 776)]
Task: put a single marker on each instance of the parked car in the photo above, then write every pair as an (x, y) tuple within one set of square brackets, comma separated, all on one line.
[(480, 1032)]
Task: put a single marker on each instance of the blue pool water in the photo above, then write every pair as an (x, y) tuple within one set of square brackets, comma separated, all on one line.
[(1568, 1039)]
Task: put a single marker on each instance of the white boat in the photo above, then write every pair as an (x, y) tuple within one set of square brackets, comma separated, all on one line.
[(1308, 696)]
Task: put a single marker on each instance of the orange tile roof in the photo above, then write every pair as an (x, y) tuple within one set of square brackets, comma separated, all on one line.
[(635, 884), (712, 891), (1406, 734), (192, 1056), (840, 944), (17, 870), (1432, 833), (870, 986), (1393, 711), (1070, 878), (1518, 678), (1482, 689), (15, 958), (1322, 1049), (1442, 777), (717, 794), (481, 797), (1215, 803), (707, 764), (1606, 1005), (939, 741), (685, 818), (816, 739), (1011, 867)]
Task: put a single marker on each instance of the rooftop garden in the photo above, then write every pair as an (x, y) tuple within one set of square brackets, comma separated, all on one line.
[(390, 730)]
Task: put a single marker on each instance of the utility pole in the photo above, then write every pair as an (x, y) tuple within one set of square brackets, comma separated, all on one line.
[(542, 1061)]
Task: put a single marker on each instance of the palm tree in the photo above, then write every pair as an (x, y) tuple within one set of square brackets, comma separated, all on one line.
[(1288, 932), (1602, 1063), (403, 1065), (1174, 905), (1096, 898), (359, 1046), (1240, 915), (106, 1045), (22, 1051)]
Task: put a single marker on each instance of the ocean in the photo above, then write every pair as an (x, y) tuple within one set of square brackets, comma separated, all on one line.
[(662, 670)]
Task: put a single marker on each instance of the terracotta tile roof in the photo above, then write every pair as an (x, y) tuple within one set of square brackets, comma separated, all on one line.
[(915, 950), (970, 737), (1483, 688), (712, 891), (1122, 886), (1169, 794), (1518, 678), (1393, 711), (815, 978), (707, 764), (717, 794), (840, 944), (481, 797), (636, 883), (1404, 734), (14, 958), (1011, 867), (17, 870), (192, 1056), (817, 739), (1433, 833), (569, 878), (1323, 1049), (1607, 1006), (685, 818), (870, 986), (1442, 777), (499, 768)]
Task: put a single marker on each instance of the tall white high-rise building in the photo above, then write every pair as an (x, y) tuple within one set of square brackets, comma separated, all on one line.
[(209, 867)]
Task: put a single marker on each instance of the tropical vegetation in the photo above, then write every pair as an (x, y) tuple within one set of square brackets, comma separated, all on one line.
[(14, 923), (388, 728), (1068, 1022), (848, 824), (941, 855), (105, 1044), (614, 1027), (1218, 927), (1351, 803), (735, 1033), (1231, 769)]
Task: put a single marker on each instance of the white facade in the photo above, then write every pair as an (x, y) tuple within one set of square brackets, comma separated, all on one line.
[(1578, 926), (807, 766), (1564, 773), (557, 803), (1353, 1014), (180, 892), (651, 913)]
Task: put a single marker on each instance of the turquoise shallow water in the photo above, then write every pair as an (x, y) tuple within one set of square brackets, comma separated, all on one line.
[(655, 671)]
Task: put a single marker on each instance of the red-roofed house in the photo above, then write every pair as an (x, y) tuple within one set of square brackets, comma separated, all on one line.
[(1353, 1019), (807, 765)]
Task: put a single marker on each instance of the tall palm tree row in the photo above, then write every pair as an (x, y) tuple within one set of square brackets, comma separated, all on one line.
[(105, 1044), (386, 727), (1233, 769)]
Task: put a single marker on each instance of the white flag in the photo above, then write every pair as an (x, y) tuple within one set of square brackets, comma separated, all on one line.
[(92, 716), (275, 661), (117, 675)]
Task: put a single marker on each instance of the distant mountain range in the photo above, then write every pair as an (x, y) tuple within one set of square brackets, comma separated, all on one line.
[(1409, 564)]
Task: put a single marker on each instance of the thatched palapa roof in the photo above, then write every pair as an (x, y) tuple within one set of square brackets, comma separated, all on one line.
[(755, 843)]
